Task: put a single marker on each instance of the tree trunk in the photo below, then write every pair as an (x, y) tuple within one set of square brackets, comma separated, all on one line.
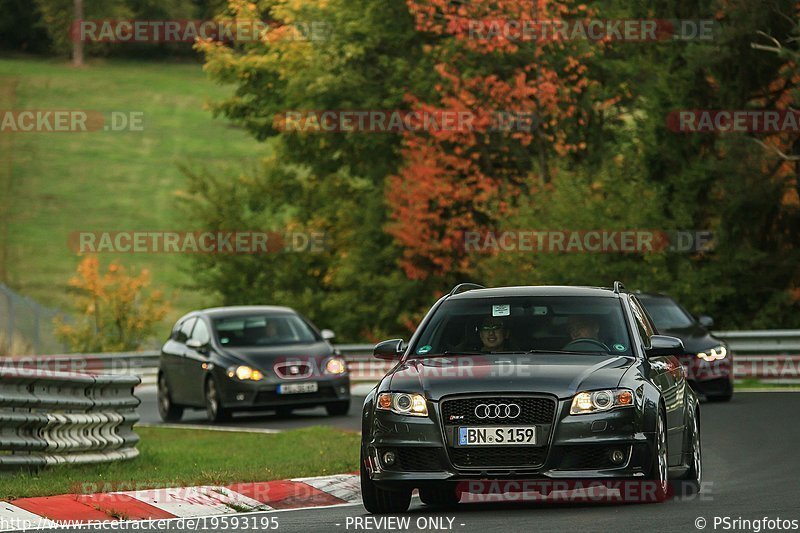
[(77, 41)]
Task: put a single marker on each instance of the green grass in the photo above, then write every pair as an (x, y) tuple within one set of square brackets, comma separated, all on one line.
[(65, 182), (184, 457), (745, 384)]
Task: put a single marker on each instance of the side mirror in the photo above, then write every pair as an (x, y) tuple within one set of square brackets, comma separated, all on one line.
[(327, 334), (389, 350), (663, 346), (706, 321), (195, 344)]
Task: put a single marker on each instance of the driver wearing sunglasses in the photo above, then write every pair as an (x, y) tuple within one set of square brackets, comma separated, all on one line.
[(493, 334)]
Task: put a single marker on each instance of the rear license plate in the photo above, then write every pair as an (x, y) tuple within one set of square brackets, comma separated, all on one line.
[(297, 388), (497, 436)]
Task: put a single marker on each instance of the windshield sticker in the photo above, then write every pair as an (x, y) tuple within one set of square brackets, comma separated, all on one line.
[(425, 349), (501, 310), (224, 340), (619, 347), (539, 310)]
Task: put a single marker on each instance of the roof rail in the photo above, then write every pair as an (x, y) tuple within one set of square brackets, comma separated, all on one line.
[(619, 287), (464, 287)]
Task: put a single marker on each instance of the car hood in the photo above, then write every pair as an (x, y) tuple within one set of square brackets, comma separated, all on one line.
[(265, 357), (695, 338), (559, 374)]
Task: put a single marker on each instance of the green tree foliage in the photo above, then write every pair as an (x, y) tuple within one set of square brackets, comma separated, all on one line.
[(361, 55), (50, 21), (617, 164), (657, 178)]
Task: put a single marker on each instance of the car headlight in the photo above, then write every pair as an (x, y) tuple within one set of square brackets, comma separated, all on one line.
[(335, 365), (403, 403), (600, 401), (714, 354), (245, 373)]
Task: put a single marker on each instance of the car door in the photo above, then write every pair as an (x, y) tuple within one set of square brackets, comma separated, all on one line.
[(196, 360), (178, 383), (669, 378), (171, 354)]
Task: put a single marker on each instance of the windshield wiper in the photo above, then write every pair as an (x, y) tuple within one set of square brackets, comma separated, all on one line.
[(448, 353), (565, 352)]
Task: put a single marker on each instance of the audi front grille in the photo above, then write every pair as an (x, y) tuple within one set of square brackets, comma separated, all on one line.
[(534, 410), (497, 411)]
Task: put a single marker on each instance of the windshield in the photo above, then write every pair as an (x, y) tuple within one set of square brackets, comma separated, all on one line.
[(666, 313), (262, 330), (527, 323)]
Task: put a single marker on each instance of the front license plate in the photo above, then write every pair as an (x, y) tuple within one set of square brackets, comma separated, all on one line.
[(296, 388), (497, 436)]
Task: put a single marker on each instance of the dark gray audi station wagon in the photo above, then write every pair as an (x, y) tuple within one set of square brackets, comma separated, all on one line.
[(528, 383)]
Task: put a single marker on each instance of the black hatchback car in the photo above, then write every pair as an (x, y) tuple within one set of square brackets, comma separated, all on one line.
[(230, 359), (708, 361), (528, 383)]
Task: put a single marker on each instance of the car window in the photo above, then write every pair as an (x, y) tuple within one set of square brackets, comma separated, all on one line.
[(586, 324), (666, 313), (645, 329), (185, 329), (263, 330), (200, 332)]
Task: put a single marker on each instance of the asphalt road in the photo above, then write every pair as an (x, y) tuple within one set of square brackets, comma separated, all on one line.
[(752, 471), (148, 411)]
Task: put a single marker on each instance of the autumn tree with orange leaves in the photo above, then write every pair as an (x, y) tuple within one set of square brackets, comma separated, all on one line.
[(532, 103), (117, 309), (565, 134)]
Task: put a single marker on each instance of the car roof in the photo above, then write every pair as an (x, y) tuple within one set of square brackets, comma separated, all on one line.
[(644, 295), (233, 310), (531, 290)]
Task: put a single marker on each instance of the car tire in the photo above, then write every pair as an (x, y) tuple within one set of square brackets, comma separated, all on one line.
[(382, 501), (167, 409), (444, 496), (338, 408), (215, 412), (659, 470), (691, 481)]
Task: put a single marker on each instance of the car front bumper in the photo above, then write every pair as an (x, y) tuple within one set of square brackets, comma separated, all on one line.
[(574, 447), (263, 395), (713, 378)]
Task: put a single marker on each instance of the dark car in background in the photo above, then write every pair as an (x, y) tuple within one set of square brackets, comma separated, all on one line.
[(231, 359), (708, 360), (528, 383)]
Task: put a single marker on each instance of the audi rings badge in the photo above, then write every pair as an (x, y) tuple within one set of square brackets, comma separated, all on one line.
[(497, 411)]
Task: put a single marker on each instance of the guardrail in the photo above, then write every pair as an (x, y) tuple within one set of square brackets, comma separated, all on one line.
[(50, 418), (763, 354), (762, 342)]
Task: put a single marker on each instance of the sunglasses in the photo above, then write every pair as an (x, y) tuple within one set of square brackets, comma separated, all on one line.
[(493, 327)]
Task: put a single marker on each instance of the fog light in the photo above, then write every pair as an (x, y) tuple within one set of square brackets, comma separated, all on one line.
[(617, 456), (388, 458)]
